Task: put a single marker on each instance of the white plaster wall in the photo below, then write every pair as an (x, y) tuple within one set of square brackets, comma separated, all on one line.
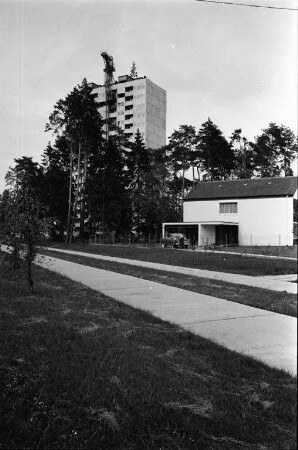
[(263, 221), (206, 235), (202, 211), (156, 106)]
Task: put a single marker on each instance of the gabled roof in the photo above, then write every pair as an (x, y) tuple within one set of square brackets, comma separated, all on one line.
[(252, 188)]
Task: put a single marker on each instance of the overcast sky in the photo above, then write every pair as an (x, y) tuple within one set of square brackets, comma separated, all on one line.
[(234, 64)]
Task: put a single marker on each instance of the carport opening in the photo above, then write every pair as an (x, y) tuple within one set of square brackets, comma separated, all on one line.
[(226, 235), (190, 231)]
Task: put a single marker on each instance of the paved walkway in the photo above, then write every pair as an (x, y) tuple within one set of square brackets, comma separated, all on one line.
[(249, 255), (265, 335), (272, 283)]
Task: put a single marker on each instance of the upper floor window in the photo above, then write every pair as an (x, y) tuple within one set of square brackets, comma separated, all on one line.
[(228, 208)]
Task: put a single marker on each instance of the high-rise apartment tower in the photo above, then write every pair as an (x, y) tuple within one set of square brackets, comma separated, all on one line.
[(132, 104)]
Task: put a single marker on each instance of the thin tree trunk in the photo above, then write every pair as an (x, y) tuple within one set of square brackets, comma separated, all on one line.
[(82, 218), (103, 207), (77, 191), (69, 197), (183, 175), (183, 183), (138, 210), (29, 260)]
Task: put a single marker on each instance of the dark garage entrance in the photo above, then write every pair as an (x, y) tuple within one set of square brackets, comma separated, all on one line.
[(226, 234)]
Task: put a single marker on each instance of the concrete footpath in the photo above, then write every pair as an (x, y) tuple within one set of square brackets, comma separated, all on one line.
[(249, 255), (273, 283), (264, 335)]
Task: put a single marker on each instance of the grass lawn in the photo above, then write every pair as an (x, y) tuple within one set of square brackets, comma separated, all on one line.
[(269, 250), (188, 258), (280, 302), (80, 370)]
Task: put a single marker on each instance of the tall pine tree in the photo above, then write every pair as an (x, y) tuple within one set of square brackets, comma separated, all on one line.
[(275, 150), (77, 118), (138, 164), (215, 153)]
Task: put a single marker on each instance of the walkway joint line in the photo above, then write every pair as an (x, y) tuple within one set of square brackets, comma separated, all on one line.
[(229, 318)]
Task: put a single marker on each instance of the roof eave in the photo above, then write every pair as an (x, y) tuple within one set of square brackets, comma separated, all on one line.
[(186, 199)]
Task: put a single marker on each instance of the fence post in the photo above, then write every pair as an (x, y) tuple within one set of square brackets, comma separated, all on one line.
[(251, 242), (226, 243)]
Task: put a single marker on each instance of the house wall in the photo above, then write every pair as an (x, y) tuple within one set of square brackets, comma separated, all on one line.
[(206, 235), (262, 221)]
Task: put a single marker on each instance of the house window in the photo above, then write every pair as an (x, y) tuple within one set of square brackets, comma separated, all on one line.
[(228, 208)]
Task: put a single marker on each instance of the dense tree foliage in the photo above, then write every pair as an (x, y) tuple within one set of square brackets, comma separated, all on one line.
[(26, 176), (215, 153), (184, 153), (55, 162), (243, 155), (138, 169), (274, 151), (24, 219), (77, 119)]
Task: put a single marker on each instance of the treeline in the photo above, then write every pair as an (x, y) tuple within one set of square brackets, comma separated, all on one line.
[(86, 183)]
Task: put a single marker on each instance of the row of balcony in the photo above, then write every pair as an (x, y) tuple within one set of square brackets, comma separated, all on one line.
[(112, 101)]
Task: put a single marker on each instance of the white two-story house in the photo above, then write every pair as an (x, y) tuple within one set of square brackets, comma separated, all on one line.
[(257, 211)]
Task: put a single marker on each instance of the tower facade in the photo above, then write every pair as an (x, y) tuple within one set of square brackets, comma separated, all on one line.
[(132, 104)]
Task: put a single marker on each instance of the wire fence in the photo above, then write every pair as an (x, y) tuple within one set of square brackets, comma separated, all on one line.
[(277, 245), (125, 239)]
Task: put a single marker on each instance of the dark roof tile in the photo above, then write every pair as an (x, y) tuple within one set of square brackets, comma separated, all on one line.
[(256, 187)]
